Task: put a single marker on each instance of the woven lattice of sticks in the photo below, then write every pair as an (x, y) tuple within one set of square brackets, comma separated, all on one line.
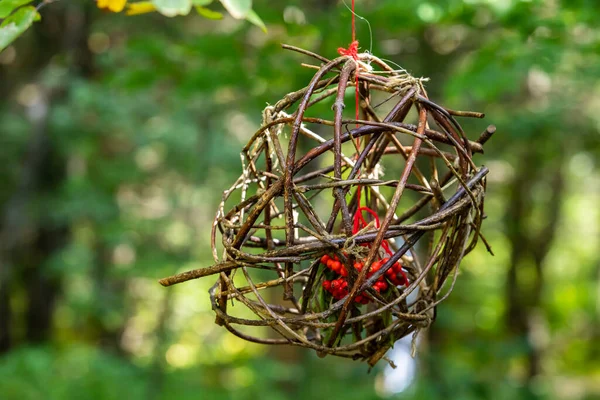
[(321, 249)]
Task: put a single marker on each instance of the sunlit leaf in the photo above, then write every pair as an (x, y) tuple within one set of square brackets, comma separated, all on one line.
[(112, 5), (201, 2), (238, 9), (208, 13), (16, 24), (141, 7), (8, 6), (253, 18), (171, 8)]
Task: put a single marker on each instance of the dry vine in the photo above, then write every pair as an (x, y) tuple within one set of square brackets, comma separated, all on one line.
[(275, 234)]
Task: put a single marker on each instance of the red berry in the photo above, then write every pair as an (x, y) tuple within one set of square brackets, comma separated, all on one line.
[(358, 266), (374, 268), (380, 286), (343, 271), (336, 266), (324, 259), (340, 291), (340, 288)]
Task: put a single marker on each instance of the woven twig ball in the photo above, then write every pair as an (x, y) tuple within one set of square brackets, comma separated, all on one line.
[(340, 234)]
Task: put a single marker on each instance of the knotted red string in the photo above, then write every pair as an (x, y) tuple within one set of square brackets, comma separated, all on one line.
[(351, 51)]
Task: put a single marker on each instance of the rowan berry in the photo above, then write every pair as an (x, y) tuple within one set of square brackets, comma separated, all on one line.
[(380, 286), (335, 266), (375, 267)]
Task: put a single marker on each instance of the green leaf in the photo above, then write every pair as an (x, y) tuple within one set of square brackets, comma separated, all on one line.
[(8, 6), (16, 24), (208, 13), (238, 9), (201, 2), (253, 18), (171, 8)]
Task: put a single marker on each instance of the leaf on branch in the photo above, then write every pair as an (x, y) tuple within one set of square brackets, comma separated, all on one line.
[(172, 8), (201, 3), (16, 24), (253, 18), (8, 6), (238, 9), (208, 13), (141, 7), (112, 5)]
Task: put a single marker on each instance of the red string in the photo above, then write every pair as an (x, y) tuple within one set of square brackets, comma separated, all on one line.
[(359, 221), (352, 51), (354, 47)]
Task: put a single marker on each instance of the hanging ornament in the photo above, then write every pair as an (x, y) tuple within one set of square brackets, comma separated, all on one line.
[(317, 243)]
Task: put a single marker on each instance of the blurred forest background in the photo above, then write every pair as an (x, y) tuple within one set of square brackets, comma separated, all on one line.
[(118, 134)]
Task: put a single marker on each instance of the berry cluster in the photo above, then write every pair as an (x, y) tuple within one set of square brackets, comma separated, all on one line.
[(339, 287)]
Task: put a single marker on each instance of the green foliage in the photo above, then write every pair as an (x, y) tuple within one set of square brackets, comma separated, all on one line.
[(15, 24), (208, 13), (77, 372), (237, 8), (8, 6), (253, 18), (171, 8)]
